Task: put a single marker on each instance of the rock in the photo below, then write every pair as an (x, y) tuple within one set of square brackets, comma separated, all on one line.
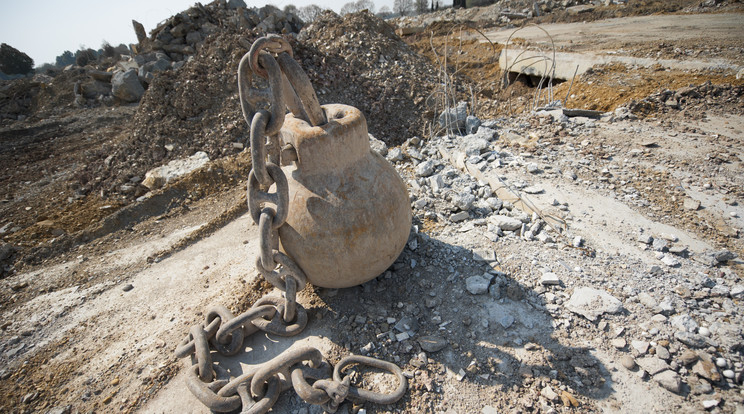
[(477, 285), (506, 321), (160, 176), (663, 353), (724, 256), (591, 303), (548, 393), (60, 410), (126, 86), (377, 146), (484, 255), (463, 201), (706, 369), (645, 239), (193, 38), (395, 155), (506, 223), (669, 380), (640, 346), (453, 119), (569, 400), (619, 343), (127, 287), (627, 362), (690, 204), (690, 339), (688, 357), (683, 322), (708, 404), (472, 124), (737, 291), (472, 145), (532, 168), (494, 203), (670, 260), (700, 387), (550, 279), (460, 216), (533, 189), (652, 365), (425, 168), (139, 31), (489, 410), (432, 343), (647, 300)]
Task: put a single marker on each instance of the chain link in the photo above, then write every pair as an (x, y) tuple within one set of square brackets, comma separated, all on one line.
[(258, 389)]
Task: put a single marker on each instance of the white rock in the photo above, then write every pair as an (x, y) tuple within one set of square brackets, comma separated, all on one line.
[(669, 260), (708, 404), (550, 278), (670, 381), (683, 322), (640, 346), (533, 189), (160, 176), (425, 168), (506, 223), (591, 303), (477, 285)]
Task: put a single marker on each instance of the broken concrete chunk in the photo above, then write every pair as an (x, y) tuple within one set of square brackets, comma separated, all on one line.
[(592, 303), (126, 86), (158, 177)]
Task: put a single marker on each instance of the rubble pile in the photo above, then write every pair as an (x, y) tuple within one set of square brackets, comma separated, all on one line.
[(358, 60), (693, 97), (672, 319), (195, 107), (499, 13)]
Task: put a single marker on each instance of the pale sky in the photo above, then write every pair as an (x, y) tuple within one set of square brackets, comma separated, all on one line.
[(43, 29)]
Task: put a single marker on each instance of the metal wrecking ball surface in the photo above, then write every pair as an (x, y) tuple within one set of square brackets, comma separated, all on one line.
[(349, 214)]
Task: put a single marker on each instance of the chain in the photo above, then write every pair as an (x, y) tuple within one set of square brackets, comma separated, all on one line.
[(256, 390)]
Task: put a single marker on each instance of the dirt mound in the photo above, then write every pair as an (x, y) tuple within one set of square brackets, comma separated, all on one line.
[(196, 108), (372, 69)]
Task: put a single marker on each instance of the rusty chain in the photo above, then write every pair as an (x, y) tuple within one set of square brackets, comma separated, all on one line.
[(256, 390)]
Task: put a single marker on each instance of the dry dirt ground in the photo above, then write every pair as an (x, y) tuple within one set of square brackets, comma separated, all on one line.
[(94, 302)]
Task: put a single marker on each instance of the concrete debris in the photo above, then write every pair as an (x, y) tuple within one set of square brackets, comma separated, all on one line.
[(160, 176), (592, 303), (126, 86)]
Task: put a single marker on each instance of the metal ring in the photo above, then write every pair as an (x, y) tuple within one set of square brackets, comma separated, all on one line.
[(280, 198), (230, 343), (307, 392), (366, 395), (186, 347), (258, 147), (285, 360), (268, 239), (290, 299), (274, 95), (227, 330), (201, 353), (272, 44), (205, 393), (276, 325), (276, 86), (288, 268), (300, 82)]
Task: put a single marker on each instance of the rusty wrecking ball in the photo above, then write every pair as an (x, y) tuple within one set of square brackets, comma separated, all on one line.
[(349, 214)]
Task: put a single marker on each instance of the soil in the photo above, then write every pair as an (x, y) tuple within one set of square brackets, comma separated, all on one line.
[(75, 235)]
